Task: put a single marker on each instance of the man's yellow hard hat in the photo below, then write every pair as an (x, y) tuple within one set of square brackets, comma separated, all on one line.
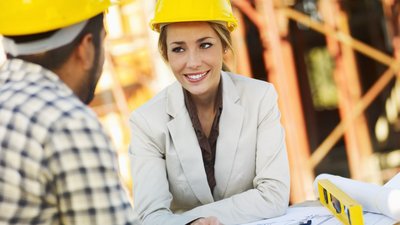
[(24, 17), (171, 11)]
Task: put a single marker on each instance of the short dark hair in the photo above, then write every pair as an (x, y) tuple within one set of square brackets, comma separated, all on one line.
[(54, 59)]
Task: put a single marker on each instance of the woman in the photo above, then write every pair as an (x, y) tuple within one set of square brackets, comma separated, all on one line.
[(208, 149)]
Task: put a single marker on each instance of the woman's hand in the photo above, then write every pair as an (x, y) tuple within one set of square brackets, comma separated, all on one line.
[(207, 221)]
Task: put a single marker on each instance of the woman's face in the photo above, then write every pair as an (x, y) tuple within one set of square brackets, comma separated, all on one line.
[(195, 54)]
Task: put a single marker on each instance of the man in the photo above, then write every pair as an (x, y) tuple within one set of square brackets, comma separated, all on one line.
[(57, 165)]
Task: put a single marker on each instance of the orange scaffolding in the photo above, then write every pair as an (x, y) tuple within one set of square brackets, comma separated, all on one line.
[(271, 19)]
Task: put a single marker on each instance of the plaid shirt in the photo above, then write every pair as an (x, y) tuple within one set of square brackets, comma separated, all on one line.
[(57, 165)]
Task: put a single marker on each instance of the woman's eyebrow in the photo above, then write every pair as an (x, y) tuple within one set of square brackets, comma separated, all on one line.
[(182, 42), (202, 39)]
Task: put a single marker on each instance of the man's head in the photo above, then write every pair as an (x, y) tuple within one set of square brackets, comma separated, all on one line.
[(69, 44)]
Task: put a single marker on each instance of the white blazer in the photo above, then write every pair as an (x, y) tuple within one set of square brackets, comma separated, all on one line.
[(251, 166)]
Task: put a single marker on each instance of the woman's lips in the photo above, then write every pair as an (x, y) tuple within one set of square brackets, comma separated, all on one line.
[(196, 77)]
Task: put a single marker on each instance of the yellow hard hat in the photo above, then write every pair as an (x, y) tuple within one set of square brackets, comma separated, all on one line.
[(171, 11), (24, 17)]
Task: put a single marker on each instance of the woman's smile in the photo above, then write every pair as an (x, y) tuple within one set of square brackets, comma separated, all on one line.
[(196, 77)]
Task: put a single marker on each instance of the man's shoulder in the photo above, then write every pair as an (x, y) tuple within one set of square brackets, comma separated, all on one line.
[(44, 103)]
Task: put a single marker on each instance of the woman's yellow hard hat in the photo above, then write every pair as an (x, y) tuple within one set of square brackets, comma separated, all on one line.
[(171, 11), (24, 17)]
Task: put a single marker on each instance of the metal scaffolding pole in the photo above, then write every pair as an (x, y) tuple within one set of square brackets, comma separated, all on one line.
[(392, 16), (242, 63), (326, 146), (280, 65), (357, 138)]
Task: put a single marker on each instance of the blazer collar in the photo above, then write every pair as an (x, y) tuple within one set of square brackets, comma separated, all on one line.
[(230, 124), (186, 144)]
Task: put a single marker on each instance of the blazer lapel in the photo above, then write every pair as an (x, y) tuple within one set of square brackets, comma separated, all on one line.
[(231, 122), (186, 145)]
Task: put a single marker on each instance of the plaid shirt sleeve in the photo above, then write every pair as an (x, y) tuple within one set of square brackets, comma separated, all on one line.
[(57, 165), (82, 164)]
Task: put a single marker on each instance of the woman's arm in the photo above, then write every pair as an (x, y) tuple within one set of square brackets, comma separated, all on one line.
[(151, 195), (270, 195)]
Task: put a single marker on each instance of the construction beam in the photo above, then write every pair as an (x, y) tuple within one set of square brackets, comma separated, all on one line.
[(357, 139), (280, 64), (326, 146)]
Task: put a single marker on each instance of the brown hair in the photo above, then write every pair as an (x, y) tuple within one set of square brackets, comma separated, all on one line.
[(221, 30)]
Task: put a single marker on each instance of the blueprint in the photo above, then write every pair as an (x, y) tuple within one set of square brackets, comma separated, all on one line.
[(319, 216)]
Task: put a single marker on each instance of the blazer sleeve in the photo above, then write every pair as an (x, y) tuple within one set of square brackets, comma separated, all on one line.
[(151, 194), (271, 185)]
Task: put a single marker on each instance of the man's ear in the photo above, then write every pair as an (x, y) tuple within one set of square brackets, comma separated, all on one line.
[(85, 51)]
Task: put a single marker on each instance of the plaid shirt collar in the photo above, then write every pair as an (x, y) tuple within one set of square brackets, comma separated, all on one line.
[(15, 70)]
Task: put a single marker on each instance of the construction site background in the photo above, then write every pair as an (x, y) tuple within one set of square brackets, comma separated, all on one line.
[(334, 63)]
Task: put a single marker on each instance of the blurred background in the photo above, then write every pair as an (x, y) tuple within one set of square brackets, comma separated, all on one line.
[(334, 63)]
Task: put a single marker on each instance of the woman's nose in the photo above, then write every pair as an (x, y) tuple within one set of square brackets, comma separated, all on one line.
[(193, 60)]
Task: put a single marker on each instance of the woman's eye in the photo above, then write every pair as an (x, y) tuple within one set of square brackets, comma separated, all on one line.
[(177, 49), (206, 45)]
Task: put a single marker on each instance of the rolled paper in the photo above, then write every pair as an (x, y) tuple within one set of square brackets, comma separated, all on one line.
[(394, 182), (373, 198)]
